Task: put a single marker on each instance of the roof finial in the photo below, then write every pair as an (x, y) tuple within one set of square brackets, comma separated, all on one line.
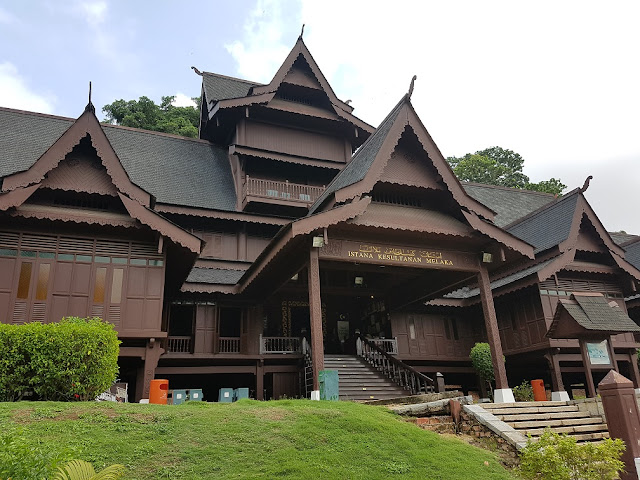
[(301, 31), (196, 70), (586, 184), (411, 86), (90, 105), (347, 101)]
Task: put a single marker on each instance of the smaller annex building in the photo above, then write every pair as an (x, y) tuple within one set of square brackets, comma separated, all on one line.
[(289, 230)]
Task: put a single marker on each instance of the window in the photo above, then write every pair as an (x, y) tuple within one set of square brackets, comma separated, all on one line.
[(25, 280), (43, 281), (116, 285), (98, 289)]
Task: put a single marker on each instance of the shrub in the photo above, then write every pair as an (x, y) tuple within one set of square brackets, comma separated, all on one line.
[(481, 361), (523, 392), (559, 457), (74, 359), (20, 460)]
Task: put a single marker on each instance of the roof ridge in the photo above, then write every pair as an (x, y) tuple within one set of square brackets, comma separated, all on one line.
[(36, 114), (535, 213), (160, 134), (502, 187), (228, 77)]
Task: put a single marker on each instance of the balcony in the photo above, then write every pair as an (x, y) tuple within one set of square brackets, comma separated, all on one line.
[(281, 193)]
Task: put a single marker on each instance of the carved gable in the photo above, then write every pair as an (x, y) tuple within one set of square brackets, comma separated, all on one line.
[(80, 173), (300, 74)]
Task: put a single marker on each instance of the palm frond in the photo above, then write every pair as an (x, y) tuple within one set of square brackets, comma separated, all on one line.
[(81, 470)]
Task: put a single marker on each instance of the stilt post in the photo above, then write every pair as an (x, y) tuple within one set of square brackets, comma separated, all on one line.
[(315, 316)]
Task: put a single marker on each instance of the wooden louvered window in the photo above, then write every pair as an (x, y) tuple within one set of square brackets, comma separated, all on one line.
[(98, 288), (43, 281), (116, 285), (24, 280)]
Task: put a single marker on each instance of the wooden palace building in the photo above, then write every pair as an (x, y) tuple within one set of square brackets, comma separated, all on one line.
[(252, 256)]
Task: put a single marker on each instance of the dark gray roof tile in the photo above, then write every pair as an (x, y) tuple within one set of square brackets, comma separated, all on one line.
[(510, 204), (596, 314), (219, 87), (218, 276), (549, 226), (632, 254)]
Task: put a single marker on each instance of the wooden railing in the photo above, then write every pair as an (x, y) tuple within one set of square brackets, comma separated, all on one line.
[(280, 345), (389, 345), (229, 345), (402, 374), (292, 192), (179, 344)]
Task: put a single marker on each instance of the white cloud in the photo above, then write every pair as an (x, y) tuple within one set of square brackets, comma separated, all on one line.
[(183, 100), (263, 46), (6, 17), (95, 12), (15, 92)]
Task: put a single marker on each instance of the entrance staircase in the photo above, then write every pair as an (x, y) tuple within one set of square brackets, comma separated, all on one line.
[(532, 418), (359, 381)]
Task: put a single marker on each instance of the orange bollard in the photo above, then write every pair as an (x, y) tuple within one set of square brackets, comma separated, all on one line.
[(158, 391), (539, 395)]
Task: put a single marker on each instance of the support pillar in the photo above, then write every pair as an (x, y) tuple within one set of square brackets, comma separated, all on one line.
[(633, 367), (623, 419), (260, 380), (558, 392), (315, 316), (591, 388), (148, 371), (502, 393)]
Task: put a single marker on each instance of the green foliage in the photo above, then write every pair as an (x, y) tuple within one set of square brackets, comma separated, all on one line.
[(75, 359), (523, 392), (81, 470), (499, 166), (481, 361), (20, 460), (559, 457), (146, 114)]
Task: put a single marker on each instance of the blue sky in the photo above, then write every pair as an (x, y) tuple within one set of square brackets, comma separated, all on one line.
[(555, 81)]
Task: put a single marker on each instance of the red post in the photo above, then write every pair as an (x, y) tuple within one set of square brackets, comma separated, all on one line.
[(623, 418), (315, 310)]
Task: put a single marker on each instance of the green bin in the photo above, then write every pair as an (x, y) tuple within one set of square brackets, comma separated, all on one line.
[(239, 393), (225, 395), (177, 397), (328, 385), (195, 394)]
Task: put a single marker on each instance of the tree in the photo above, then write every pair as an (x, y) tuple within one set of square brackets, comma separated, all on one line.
[(144, 113), (499, 166)]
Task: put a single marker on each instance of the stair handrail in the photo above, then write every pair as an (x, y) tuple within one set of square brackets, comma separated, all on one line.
[(307, 366), (402, 374)]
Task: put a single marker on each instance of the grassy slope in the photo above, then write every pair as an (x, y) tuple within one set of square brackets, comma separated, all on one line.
[(248, 439)]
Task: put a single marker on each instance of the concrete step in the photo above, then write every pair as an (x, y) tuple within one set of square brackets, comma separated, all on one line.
[(531, 410), (536, 432), (492, 406), (516, 417)]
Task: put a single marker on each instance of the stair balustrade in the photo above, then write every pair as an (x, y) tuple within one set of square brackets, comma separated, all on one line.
[(402, 374), (307, 378)]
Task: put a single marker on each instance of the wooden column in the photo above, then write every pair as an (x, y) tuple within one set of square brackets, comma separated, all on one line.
[(315, 316), (260, 380), (148, 371), (558, 392), (493, 334), (633, 367)]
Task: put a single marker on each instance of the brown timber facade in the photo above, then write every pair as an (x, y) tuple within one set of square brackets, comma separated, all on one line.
[(239, 259)]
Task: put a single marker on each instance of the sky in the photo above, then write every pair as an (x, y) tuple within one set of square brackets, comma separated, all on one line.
[(557, 82)]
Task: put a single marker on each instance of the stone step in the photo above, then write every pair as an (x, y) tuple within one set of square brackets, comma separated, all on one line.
[(529, 410), (516, 417), (555, 423), (536, 432), (492, 406)]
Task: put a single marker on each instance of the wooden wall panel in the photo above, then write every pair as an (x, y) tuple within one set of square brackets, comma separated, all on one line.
[(295, 142), (285, 384), (206, 328), (134, 315), (81, 279)]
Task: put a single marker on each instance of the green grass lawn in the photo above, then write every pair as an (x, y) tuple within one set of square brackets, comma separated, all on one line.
[(248, 439)]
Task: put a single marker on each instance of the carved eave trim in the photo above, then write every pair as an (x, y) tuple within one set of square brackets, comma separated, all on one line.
[(499, 235), (74, 216), (16, 197), (219, 214), (162, 225), (556, 265), (86, 124), (207, 288), (283, 157), (240, 102), (325, 219), (626, 266)]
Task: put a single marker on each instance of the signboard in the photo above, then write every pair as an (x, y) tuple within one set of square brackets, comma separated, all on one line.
[(362, 252), (598, 353)]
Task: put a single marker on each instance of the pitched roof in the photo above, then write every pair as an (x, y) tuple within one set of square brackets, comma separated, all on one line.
[(220, 87), (632, 253), (548, 226), (175, 170), (218, 276), (510, 204), (362, 160), (593, 313), (622, 238)]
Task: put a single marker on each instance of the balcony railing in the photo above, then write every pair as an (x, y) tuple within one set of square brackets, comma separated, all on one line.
[(229, 345), (179, 345), (290, 192), (280, 345), (388, 345)]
